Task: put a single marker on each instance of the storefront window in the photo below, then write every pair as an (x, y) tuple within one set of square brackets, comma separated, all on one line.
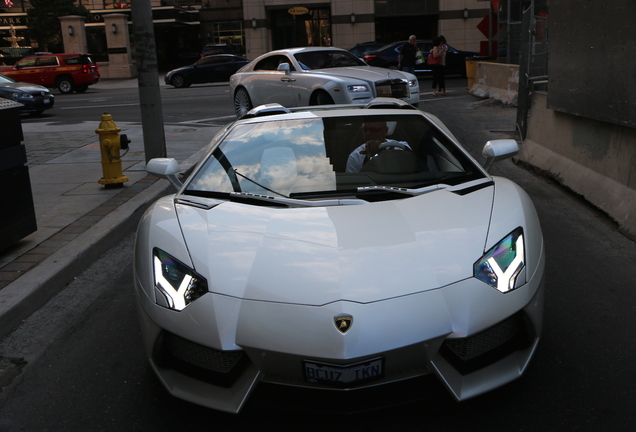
[(230, 33), (312, 28)]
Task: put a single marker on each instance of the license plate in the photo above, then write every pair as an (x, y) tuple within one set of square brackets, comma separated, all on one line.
[(46, 101), (343, 374)]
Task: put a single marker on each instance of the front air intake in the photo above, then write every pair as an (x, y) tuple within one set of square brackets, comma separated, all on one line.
[(216, 367)]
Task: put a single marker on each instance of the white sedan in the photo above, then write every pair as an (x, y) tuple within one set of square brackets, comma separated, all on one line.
[(316, 76), (276, 263)]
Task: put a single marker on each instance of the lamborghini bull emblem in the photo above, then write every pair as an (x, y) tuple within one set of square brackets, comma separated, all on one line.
[(343, 323)]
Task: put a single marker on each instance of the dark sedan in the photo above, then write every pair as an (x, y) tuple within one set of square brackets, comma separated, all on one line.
[(214, 68), (360, 49), (34, 98), (387, 57)]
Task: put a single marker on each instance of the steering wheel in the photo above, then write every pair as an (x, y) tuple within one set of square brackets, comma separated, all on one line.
[(390, 143)]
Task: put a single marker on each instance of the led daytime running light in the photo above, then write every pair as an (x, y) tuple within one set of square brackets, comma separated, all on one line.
[(179, 286), (501, 265)]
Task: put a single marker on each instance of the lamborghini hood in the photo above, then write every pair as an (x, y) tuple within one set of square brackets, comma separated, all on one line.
[(360, 253)]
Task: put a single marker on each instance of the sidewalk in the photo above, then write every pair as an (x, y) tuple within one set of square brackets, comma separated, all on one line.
[(78, 219)]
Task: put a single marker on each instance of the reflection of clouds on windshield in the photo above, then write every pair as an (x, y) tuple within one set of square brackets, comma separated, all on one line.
[(315, 174), (212, 181), (218, 180), (313, 140), (285, 156)]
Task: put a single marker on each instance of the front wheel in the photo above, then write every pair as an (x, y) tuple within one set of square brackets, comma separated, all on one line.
[(65, 85), (242, 103), (322, 98), (179, 81)]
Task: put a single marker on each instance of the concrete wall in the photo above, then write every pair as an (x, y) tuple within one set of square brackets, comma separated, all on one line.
[(496, 81), (595, 159), (592, 158)]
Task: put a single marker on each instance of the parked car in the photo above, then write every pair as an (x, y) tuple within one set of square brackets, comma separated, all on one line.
[(316, 76), (361, 48), (67, 72), (34, 98), (387, 57), (211, 49), (272, 263), (211, 68), (184, 59)]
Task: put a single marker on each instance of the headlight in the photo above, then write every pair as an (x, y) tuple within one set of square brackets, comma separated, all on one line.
[(413, 83), (176, 285), (357, 88), (502, 264), (21, 95)]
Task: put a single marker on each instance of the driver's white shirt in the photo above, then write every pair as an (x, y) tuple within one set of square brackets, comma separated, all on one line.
[(356, 158)]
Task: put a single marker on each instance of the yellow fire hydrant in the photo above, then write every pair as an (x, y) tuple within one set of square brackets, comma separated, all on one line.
[(110, 143)]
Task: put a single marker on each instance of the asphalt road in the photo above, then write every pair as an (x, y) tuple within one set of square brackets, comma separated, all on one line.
[(196, 103), (85, 367), (200, 102)]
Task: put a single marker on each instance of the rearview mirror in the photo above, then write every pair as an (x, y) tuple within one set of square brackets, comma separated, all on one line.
[(284, 67), (167, 168), (496, 150)]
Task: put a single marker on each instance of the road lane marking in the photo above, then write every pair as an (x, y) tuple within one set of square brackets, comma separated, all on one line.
[(98, 106)]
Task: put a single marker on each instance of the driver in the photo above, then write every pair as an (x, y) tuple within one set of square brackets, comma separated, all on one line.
[(374, 134)]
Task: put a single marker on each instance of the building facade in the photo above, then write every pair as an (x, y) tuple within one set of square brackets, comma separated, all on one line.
[(258, 26)]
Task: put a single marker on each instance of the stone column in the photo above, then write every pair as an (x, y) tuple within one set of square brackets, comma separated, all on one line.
[(120, 64), (74, 34)]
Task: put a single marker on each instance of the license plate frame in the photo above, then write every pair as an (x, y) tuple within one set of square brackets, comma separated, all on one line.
[(343, 375)]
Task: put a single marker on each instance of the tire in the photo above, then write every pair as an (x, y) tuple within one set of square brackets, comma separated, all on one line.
[(242, 103), (322, 98), (81, 88), (65, 85), (179, 81)]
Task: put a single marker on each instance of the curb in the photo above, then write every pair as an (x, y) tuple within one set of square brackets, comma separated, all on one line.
[(27, 294)]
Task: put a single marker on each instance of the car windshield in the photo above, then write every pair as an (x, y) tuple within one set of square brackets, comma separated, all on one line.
[(327, 59), (310, 158), (6, 79)]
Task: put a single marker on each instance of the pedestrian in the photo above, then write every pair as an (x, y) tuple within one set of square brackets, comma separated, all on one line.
[(408, 55), (439, 65)]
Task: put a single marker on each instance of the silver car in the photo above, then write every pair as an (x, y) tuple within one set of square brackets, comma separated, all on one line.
[(316, 76), (275, 263)]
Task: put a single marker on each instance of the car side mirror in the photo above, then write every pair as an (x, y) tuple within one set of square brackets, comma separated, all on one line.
[(496, 150), (167, 168), (284, 67)]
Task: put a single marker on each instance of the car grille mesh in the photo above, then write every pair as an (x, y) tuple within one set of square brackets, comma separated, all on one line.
[(396, 88), (203, 357), (474, 346)]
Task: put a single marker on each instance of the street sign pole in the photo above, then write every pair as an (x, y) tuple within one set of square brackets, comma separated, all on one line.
[(148, 79)]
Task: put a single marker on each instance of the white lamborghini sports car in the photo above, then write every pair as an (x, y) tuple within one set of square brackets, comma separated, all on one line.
[(274, 262)]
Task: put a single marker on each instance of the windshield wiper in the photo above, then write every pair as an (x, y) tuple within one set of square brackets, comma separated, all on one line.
[(258, 184), (405, 191), (293, 202)]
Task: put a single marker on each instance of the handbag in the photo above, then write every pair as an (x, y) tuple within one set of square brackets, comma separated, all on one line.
[(432, 60)]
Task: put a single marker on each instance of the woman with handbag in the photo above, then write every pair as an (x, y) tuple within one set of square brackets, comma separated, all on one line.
[(437, 61)]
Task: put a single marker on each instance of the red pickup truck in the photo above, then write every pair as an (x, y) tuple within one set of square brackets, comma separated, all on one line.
[(68, 72)]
